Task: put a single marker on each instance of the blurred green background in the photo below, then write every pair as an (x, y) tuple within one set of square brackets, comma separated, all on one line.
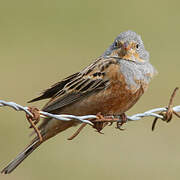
[(42, 42)]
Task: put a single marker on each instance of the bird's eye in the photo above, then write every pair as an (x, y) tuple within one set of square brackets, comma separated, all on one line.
[(137, 46), (116, 43)]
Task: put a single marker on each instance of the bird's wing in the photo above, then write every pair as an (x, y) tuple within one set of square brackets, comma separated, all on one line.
[(50, 92), (77, 86)]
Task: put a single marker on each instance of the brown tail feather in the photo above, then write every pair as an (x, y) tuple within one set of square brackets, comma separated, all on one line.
[(14, 163), (49, 133)]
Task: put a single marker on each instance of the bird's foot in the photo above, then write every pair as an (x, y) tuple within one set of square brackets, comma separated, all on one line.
[(100, 123), (122, 120)]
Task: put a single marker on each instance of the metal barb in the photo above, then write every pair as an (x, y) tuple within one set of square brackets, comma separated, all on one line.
[(168, 114), (98, 121)]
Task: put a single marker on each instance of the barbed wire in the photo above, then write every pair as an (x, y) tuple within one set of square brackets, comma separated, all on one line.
[(84, 119), (163, 113), (62, 117)]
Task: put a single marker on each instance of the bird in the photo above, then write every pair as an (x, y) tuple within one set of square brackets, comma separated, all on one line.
[(110, 85)]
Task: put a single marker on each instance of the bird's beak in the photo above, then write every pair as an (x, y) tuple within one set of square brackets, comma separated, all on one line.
[(128, 52), (125, 48)]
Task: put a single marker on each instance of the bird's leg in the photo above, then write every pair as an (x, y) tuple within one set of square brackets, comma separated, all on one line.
[(100, 122), (111, 123), (123, 119), (34, 120)]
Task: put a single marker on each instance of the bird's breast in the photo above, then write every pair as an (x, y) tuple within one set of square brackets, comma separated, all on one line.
[(115, 99)]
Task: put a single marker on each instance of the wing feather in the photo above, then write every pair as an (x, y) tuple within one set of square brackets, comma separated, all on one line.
[(49, 93), (77, 86)]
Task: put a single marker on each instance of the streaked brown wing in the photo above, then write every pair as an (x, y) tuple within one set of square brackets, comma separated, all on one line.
[(49, 93), (80, 85), (75, 91)]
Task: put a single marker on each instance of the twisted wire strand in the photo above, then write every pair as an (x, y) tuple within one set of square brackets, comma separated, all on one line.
[(85, 119)]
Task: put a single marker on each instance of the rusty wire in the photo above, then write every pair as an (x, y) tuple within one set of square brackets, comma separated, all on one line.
[(164, 114)]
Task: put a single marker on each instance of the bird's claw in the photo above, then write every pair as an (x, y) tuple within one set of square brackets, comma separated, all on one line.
[(123, 119)]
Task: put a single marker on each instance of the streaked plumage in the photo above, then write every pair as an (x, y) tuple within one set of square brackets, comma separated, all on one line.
[(112, 84)]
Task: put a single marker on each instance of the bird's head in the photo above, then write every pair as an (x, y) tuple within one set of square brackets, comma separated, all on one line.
[(128, 46)]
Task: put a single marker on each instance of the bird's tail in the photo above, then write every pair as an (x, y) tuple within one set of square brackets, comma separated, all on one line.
[(23, 155)]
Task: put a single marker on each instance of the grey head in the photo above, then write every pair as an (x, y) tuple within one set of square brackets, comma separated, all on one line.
[(128, 46), (133, 58)]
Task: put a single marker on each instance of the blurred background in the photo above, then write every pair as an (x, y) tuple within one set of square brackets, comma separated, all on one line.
[(43, 41)]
